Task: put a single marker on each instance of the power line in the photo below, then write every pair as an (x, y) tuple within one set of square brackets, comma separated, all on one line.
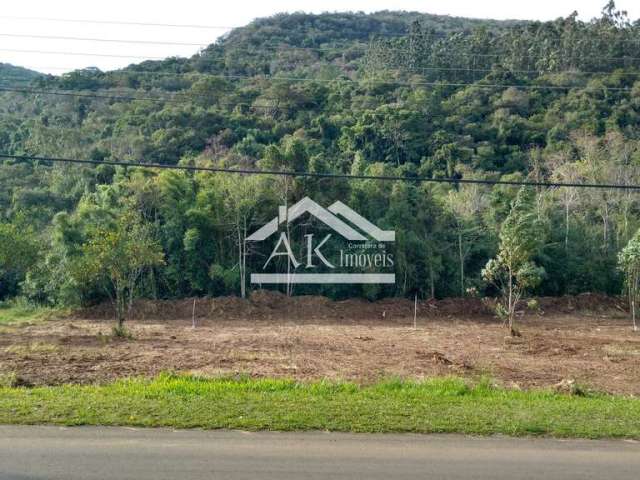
[(117, 97), (82, 95), (195, 73), (397, 49), (172, 25), (136, 98), (405, 35), (83, 54), (277, 106), (288, 173), (478, 84), (185, 98), (115, 22), (446, 54), (431, 34), (512, 70), (109, 40), (502, 54), (262, 46), (426, 68), (332, 49)]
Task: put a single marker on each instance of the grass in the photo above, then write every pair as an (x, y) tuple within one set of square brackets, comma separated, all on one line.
[(16, 313), (437, 405), (8, 379), (30, 348)]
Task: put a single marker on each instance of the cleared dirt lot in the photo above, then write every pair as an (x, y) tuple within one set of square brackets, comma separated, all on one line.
[(586, 338)]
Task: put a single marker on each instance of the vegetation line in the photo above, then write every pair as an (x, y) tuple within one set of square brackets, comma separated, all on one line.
[(437, 405), (286, 173), (129, 98), (283, 78), (455, 239)]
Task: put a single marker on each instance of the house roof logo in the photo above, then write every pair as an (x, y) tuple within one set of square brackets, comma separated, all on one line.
[(341, 219), (329, 217)]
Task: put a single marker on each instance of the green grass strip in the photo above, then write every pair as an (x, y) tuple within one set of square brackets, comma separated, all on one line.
[(14, 315), (436, 405)]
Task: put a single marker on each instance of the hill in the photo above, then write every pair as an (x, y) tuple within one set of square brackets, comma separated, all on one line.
[(390, 93), (12, 75)]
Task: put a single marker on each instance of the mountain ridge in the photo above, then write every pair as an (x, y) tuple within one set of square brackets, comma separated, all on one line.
[(551, 101), (12, 75)]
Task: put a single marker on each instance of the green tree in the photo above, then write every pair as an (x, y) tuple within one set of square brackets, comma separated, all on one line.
[(115, 259), (238, 199), (466, 204), (513, 271), (18, 252), (629, 263)]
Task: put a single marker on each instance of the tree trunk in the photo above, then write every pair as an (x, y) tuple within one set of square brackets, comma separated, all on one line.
[(461, 257), (120, 307), (404, 282), (566, 227), (625, 217), (633, 291), (286, 206), (432, 282), (605, 228), (244, 259), (130, 287), (154, 287), (241, 261), (511, 307)]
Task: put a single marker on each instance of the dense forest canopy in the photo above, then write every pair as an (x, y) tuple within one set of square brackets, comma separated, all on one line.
[(388, 94)]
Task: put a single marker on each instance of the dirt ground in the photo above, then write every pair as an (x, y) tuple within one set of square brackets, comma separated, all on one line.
[(586, 339)]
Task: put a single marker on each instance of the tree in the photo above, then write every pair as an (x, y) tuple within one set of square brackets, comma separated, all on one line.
[(466, 204), (449, 98), (18, 252), (420, 237), (568, 196), (513, 271), (629, 263), (115, 259), (292, 155), (241, 198)]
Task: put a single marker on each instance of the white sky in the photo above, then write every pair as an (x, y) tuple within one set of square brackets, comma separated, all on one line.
[(232, 14)]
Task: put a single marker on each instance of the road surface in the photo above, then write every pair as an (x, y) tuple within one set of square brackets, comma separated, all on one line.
[(87, 453)]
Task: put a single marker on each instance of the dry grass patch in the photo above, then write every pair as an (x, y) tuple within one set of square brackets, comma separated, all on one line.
[(31, 348)]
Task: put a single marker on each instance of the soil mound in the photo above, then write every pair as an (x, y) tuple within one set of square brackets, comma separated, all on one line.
[(269, 304)]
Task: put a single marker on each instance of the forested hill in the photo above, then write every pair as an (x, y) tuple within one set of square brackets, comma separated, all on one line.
[(11, 75), (388, 93)]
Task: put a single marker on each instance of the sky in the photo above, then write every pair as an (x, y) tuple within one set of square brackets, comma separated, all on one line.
[(21, 22)]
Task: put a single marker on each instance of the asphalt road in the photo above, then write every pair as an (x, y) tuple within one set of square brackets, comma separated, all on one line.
[(37, 453)]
